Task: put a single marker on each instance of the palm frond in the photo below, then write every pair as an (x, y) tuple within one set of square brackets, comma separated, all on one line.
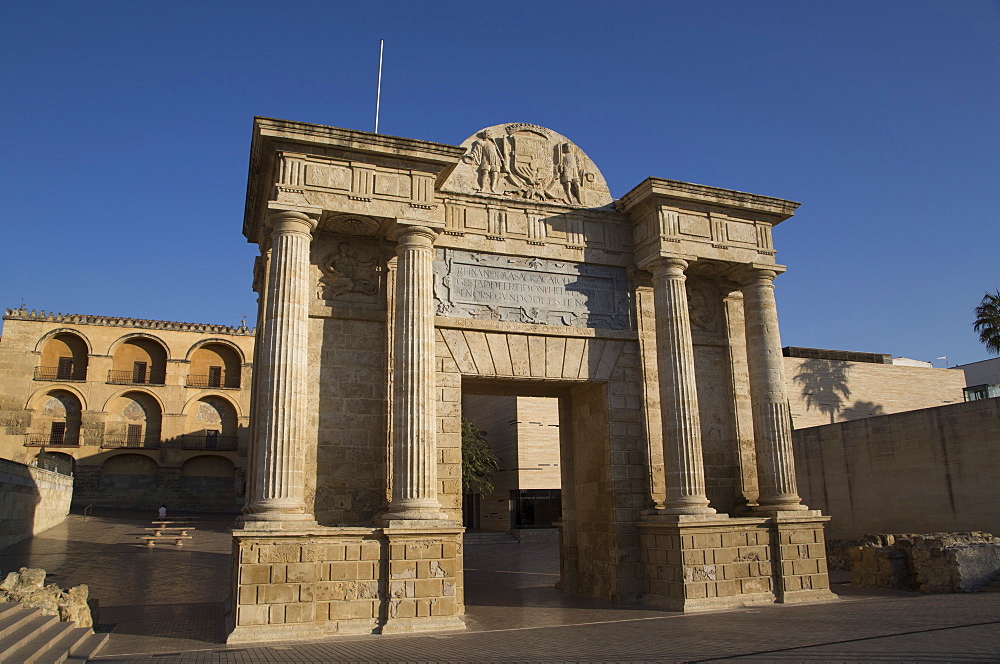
[(987, 322)]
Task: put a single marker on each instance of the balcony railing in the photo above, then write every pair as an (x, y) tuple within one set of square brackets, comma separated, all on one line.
[(131, 377), (59, 373), (123, 440), (202, 442), (51, 440), (213, 380)]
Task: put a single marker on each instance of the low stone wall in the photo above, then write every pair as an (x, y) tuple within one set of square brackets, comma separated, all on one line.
[(928, 563), (922, 471), (31, 500), (311, 583)]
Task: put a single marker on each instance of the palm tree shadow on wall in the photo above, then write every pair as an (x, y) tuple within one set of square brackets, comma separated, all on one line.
[(825, 386)]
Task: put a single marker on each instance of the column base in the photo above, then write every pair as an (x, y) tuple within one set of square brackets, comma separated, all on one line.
[(276, 521)]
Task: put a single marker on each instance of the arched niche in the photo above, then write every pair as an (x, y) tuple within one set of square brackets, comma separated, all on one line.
[(211, 423), (56, 419), (64, 356), (139, 360), (208, 474), (129, 472), (214, 364), (134, 420)]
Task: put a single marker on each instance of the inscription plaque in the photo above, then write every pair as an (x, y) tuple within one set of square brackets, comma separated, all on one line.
[(530, 290)]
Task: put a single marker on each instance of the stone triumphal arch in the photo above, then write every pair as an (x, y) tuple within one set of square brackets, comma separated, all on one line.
[(394, 273)]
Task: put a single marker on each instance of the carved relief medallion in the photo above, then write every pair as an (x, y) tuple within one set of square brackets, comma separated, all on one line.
[(528, 162)]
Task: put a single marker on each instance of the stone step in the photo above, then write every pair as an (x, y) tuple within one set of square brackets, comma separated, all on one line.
[(26, 636), (26, 630), (45, 646), (11, 615), (490, 538), (87, 649)]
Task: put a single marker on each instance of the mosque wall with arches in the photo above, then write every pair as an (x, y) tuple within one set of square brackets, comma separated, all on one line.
[(140, 412)]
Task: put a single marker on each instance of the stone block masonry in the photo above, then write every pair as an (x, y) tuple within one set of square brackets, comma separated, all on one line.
[(31, 500), (931, 470), (313, 583), (699, 563)]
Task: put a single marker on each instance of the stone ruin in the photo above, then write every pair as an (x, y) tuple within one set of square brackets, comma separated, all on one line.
[(927, 563), (27, 586)]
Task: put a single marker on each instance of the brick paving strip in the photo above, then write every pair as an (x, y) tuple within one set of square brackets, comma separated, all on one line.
[(886, 628)]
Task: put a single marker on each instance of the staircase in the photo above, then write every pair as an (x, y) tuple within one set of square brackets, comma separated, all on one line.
[(28, 636), (487, 537)]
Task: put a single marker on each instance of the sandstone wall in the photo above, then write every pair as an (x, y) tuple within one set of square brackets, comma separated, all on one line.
[(827, 391), (31, 500), (931, 470)]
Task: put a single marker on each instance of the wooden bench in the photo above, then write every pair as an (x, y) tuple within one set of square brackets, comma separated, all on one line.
[(151, 540)]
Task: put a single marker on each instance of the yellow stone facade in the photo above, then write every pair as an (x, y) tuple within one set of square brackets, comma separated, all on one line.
[(142, 412)]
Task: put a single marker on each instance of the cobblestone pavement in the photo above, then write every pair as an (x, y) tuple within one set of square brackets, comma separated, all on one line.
[(167, 605)]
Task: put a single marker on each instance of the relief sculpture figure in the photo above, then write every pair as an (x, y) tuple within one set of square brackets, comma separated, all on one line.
[(488, 161), (344, 273), (569, 174)]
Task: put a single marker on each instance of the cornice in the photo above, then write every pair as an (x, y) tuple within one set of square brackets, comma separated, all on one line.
[(699, 193)]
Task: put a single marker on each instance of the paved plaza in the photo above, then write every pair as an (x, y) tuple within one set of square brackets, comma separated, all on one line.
[(166, 604)]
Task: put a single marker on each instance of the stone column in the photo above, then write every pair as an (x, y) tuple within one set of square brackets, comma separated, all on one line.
[(684, 469), (414, 445), (277, 493), (772, 425)]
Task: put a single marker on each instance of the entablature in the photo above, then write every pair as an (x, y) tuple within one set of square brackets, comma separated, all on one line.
[(671, 218)]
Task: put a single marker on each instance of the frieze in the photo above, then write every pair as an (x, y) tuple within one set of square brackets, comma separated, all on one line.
[(530, 290)]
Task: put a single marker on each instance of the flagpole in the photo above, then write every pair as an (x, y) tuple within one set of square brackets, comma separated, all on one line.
[(378, 89)]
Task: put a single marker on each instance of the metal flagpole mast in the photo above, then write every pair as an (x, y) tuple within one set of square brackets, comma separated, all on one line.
[(378, 89)]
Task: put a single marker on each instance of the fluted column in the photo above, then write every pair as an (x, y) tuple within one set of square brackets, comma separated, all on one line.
[(772, 425), (277, 494), (414, 445), (684, 468)]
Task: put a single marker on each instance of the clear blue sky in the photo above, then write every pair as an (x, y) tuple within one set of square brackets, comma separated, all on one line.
[(126, 128)]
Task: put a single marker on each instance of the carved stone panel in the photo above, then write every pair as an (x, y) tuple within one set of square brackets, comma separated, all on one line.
[(353, 271), (528, 162), (530, 290)]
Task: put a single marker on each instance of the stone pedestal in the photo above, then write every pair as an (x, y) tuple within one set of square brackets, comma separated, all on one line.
[(322, 581), (703, 562)]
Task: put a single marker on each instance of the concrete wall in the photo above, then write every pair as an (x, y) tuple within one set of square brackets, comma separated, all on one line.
[(31, 500), (827, 391), (923, 471), (984, 372)]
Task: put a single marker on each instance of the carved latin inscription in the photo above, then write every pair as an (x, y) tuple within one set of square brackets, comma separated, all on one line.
[(530, 290)]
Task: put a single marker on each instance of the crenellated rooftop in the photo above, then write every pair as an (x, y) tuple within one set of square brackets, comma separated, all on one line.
[(112, 321)]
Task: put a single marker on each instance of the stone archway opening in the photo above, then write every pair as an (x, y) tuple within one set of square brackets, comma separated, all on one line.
[(567, 425)]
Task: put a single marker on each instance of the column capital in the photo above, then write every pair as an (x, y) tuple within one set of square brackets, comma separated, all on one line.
[(410, 234), (292, 221), (759, 275), (668, 266)]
